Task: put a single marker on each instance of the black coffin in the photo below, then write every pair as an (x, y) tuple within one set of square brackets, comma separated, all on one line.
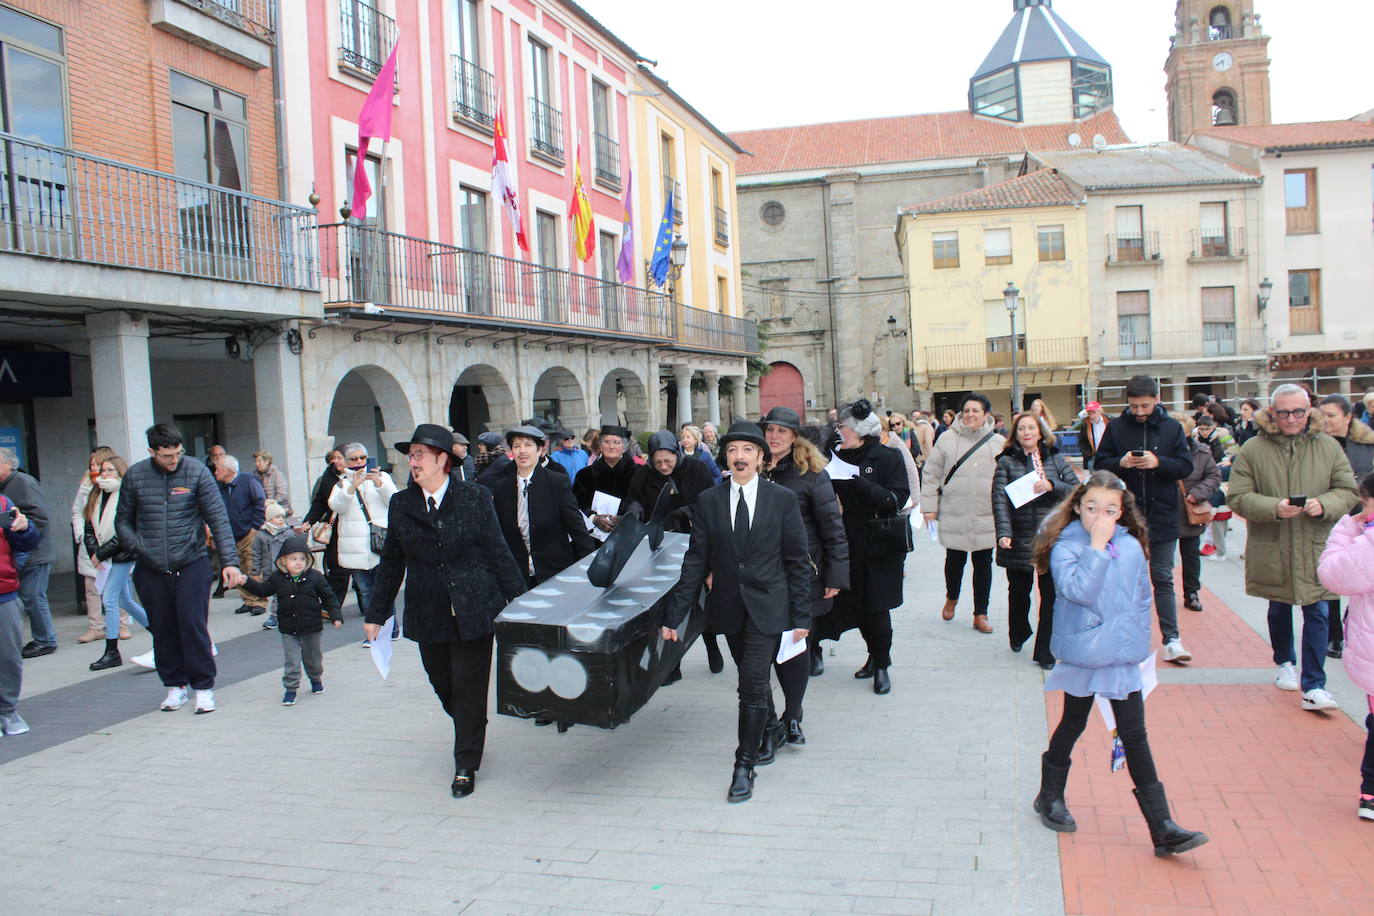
[(577, 654)]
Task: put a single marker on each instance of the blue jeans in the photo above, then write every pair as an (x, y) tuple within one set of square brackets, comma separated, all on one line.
[(33, 591), (364, 578), (119, 592), (1314, 631)]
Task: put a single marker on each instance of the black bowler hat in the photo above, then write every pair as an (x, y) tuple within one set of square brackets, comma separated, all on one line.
[(744, 431), (610, 429), (431, 434), (528, 432), (785, 417)]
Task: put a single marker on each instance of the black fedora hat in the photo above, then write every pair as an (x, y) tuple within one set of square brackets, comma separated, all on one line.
[(785, 417), (431, 434), (744, 431)]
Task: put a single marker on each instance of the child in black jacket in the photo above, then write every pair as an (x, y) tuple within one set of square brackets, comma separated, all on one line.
[(303, 600)]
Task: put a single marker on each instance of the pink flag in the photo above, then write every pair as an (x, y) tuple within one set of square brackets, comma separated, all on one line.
[(502, 188), (373, 121), (625, 264)]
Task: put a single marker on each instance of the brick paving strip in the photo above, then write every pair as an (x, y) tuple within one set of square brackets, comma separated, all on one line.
[(1274, 786)]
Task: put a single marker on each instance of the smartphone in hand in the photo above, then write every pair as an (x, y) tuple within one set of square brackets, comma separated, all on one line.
[(1298, 501), (1137, 453)]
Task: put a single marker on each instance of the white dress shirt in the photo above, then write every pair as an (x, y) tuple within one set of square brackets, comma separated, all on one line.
[(437, 495), (750, 491)]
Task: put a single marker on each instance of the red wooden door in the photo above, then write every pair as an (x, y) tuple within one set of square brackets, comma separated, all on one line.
[(782, 387)]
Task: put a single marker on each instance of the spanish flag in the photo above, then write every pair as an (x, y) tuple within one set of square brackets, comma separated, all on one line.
[(580, 212)]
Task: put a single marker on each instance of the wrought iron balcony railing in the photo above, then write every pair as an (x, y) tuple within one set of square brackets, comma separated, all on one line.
[(607, 160), (474, 94), (1218, 244), (361, 264), (546, 130), (366, 36), (1133, 247), (722, 226), (1211, 340), (57, 203), (256, 17), (995, 353)]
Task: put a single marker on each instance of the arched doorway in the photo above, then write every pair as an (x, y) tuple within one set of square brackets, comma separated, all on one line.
[(481, 400), (368, 401), (623, 400), (558, 398), (782, 386)]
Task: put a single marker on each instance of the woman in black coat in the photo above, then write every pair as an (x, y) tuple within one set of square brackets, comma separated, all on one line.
[(336, 575), (798, 465), (667, 462), (459, 575), (879, 490), (1031, 449)]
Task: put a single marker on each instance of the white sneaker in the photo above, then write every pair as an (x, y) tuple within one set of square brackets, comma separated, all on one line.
[(176, 698), (1287, 677), (1174, 652), (214, 649), (145, 660), (205, 701), (1316, 699), (1216, 558)]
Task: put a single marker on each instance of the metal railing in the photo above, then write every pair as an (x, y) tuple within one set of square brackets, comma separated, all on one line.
[(1220, 33), (1218, 243), (722, 226), (57, 203), (360, 264), (366, 35), (995, 353), (1210, 340), (474, 93), (546, 129), (256, 17), (607, 160), (674, 187), (1132, 247)]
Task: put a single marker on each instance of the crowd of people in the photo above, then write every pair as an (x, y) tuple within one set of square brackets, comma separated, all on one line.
[(797, 531)]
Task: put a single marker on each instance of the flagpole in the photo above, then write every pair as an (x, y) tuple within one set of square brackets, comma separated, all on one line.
[(381, 253)]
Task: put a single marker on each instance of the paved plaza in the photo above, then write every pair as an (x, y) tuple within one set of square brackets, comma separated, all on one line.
[(913, 803)]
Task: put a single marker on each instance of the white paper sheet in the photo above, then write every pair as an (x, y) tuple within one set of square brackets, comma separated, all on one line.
[(1149, 681), (789, 647), (933, 531), (839, 469), (102, 575), (382, 645), (1022, 490), (603, 503)]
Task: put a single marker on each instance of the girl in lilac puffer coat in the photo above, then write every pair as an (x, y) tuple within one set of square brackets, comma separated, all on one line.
[(1347, 567)]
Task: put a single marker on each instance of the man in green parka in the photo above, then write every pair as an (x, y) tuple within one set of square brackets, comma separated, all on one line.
[(1291, 483)]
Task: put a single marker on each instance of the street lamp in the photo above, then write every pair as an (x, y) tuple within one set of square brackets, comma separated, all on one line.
[(1009, 296), (677, 259), (1266, 288)]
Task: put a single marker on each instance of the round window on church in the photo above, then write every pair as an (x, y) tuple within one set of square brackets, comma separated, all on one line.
[(773, 213)]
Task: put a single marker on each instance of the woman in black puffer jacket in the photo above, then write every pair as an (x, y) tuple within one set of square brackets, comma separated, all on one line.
[(1030, 450)]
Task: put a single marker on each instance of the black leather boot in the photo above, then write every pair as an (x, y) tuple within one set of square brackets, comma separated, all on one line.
[(1049, 804), (752, 722), (713, 656), (866, 671), (774, 737), (111, 657), (1169, 838), (795, 736), (882, 684), (817, 661)]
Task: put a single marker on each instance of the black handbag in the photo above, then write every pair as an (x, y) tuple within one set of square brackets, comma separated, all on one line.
[(888, 536), (376, 534)]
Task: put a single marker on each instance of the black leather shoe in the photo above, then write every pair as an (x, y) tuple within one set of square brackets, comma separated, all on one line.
[(714, 659), (1335, 648), (110, 659), (34, 650), (741, 784), (242, 609), (464, 783), (882, 684), (219, 592), (1016, 646), (866, 671), (774, 735), (817, 664), (795, 736), (257, 611), (543, 722), (1192, 602)]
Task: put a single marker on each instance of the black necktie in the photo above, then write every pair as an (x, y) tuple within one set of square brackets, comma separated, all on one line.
[(741, 525), (432, 507)]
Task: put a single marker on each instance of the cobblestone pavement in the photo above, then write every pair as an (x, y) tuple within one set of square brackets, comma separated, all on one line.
[(917, 802)]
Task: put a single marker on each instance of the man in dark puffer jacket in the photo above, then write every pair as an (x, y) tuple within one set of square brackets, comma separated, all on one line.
[(165, 504)]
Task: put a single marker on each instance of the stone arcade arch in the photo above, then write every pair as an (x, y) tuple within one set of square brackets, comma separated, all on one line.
[(370, 405), (558, 397), (623, 399), (481, 401)]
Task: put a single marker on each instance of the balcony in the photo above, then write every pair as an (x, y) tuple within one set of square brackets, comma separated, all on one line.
[(426, 280), (607, 165), (1212, 340), (1218, 244), (674, 187), (366, 37), (546, 131), (241, 30), (474, 94), (56, 203), (1035, 353), (1133, 248), (722, 224)]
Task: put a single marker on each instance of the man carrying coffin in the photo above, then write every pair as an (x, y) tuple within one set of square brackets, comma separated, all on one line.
[(748, 537)]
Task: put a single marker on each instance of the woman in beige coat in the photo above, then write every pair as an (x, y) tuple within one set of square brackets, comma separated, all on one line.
[(960, 503)]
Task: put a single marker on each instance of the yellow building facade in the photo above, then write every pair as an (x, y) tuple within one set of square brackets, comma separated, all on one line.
[(959, 255)]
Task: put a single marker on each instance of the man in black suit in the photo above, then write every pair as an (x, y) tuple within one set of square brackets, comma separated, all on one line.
[(748, 536), (539, 516)]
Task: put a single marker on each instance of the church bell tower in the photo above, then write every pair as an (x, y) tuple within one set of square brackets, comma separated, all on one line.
[(1218, 67)]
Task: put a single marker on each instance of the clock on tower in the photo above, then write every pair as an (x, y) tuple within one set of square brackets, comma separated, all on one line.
[(1218, 67)]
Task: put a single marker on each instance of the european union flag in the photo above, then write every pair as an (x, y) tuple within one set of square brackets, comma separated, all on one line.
[(663, 245)]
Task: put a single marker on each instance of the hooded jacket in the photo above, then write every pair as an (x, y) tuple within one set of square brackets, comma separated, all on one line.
[(1347, 568), (690, 477), (964, 509), (1102, 605), (162, 515), (1281, 555), (1155, 489), (301, 600)]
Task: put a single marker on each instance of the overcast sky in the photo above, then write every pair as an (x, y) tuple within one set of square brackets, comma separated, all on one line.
[(770, 63)]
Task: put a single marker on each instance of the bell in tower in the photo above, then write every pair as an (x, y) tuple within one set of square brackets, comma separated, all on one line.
[(1218, 67)]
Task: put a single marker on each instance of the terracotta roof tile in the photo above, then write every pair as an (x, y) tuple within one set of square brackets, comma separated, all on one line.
[(940, 135), (1300, 134), (1042, 188)]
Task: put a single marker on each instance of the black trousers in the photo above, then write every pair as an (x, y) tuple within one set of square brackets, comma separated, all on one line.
[(793, 676), (1367, 766), (876, 628), (1020, 583), (1190, 558), (460, 673), (982, 577), (334, 574), (753, 652), (1130, 727), (178, 606)]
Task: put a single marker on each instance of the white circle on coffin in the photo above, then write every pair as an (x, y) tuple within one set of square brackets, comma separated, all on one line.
[(567, 677), (530, 668)]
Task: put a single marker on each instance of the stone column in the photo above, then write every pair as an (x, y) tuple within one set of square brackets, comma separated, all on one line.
[(712, 396), (392, 460), (1173, 394), (682, 375), (742, 403), (850, 341), (1346, 376), (281, 415), (121, 382)]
